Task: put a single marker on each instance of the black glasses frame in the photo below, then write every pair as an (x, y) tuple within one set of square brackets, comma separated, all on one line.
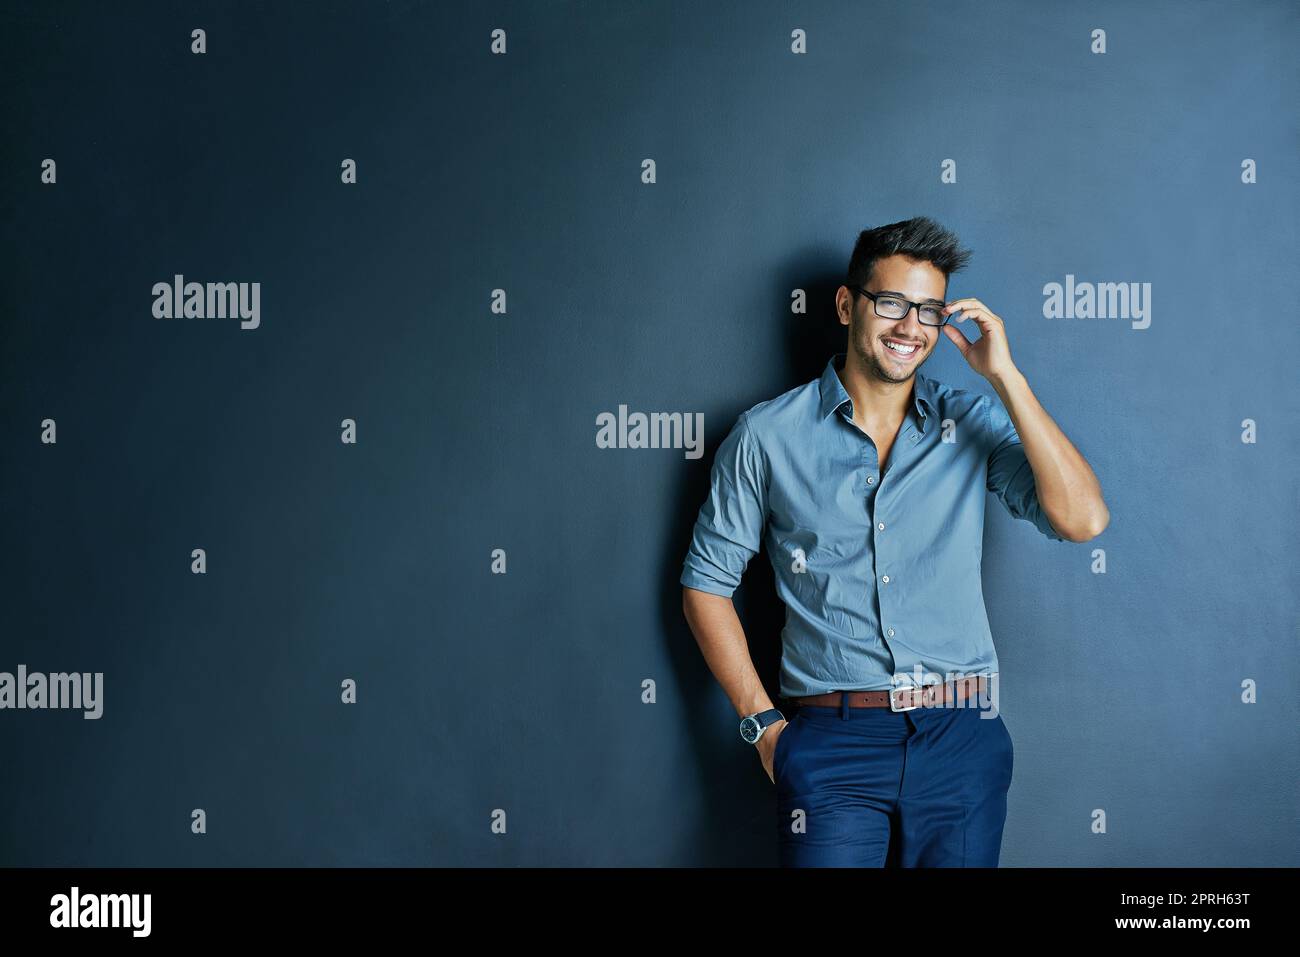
[(910, 306)]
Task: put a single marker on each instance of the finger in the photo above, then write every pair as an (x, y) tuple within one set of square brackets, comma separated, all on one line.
[(957, 339), (972, 308), (983, 318), (963, 304)]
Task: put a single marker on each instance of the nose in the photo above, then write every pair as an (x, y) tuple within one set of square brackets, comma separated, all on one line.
[(910, 326)]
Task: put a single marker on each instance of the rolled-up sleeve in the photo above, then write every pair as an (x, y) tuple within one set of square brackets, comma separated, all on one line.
[(729, 528), (1010, 476)]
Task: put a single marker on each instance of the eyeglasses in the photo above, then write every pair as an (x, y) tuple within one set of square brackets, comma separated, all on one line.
[(889, 306)]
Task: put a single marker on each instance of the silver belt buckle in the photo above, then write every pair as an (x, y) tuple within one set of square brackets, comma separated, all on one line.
[(915, 690)]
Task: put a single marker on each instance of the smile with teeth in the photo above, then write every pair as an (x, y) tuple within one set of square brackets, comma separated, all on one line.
[(901, 350)]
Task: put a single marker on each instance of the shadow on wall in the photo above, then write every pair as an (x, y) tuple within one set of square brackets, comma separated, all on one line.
[(737, 826)]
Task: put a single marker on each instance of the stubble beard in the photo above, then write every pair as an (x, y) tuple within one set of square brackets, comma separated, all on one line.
[(868, 360)]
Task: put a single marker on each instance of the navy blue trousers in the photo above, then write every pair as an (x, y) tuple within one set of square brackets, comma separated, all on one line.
[(871, 787)]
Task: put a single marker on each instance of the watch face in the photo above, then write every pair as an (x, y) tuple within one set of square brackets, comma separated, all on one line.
[(749, 729)]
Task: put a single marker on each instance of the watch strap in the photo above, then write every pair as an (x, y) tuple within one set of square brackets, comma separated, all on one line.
[(763, 719)]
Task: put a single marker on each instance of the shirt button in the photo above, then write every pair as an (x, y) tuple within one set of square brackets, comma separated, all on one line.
[(885, 579), (871, 480), (881, 526), (891, 633)]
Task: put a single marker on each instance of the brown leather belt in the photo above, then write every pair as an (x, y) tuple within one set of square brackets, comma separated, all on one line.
[(903, 698)]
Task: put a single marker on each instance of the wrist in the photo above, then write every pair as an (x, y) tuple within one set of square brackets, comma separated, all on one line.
[(754, 726), (1005, 380)]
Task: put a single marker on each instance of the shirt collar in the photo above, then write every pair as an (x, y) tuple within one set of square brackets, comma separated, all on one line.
[(833, 394)]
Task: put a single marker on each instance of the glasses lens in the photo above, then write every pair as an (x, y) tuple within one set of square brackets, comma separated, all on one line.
[(890, 308), (932, 315)]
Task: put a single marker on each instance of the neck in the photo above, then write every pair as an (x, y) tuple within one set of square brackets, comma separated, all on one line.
[(874, 399)]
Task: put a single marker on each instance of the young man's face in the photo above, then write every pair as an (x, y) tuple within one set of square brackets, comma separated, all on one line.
[(870, 335)]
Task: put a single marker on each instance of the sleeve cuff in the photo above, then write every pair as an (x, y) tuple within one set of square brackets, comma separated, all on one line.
[(691, 578)]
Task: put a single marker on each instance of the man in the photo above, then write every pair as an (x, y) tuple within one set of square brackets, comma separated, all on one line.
[(868, 486)]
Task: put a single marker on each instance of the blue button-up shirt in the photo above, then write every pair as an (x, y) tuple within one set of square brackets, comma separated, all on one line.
[(879, 571)]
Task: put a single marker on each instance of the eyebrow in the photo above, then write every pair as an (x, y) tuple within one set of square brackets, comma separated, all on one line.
[(895, 292)]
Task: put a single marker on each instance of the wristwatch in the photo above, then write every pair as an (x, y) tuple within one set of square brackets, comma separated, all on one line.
[(752, 726)]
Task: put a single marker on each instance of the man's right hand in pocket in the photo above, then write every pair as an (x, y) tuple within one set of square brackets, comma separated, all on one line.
[(766, 746)]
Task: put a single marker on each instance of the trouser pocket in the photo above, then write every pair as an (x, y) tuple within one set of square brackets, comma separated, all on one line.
[(783, 744)]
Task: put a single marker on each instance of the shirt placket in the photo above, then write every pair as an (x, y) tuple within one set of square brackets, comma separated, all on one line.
[(879, 508)]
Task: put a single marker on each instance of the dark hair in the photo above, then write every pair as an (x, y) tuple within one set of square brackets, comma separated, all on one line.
[(918, 238)]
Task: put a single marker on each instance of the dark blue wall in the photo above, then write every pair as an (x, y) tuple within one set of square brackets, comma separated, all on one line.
[(477, 430)]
